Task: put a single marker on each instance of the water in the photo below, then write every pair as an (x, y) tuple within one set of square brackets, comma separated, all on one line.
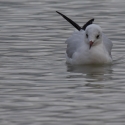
[(36, 86)]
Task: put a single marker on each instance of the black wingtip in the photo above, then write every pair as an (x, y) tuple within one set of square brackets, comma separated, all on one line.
[(70, 21), (88, 23), (58, 12)]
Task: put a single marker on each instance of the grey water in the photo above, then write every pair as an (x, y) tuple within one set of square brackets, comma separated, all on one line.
[(36, 85)]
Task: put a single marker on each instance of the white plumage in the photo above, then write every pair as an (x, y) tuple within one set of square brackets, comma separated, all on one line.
[(88, 47)]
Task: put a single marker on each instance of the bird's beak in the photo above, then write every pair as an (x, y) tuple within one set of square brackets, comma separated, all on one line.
[(90, 43)]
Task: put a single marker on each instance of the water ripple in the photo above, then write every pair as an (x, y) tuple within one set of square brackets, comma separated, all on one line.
[(36, 85)]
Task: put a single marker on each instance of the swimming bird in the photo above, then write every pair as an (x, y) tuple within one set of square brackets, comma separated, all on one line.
[(88, 45)]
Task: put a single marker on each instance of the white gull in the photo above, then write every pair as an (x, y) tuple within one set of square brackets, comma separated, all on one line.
[(89, 45)]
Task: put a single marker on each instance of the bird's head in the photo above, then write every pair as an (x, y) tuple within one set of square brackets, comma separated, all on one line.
[(93, 35)]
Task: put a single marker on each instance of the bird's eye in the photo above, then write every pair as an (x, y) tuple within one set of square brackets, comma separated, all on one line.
[(97, 36), (87, 35)]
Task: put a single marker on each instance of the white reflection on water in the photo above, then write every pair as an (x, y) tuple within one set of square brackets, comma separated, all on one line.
[(95, 72)]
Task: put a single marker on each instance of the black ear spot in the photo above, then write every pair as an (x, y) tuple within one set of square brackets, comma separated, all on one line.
[(97, 36), (87, 35)]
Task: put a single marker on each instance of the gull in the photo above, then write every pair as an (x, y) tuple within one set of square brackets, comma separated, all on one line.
[(87, 45)]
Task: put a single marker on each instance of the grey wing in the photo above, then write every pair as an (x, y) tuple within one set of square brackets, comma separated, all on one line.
[(74, 42), (107, 42)]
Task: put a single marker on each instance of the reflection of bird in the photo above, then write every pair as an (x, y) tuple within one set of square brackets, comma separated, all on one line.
[(88, 45), (91, 72)]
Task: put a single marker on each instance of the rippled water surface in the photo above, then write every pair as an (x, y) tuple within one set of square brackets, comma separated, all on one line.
[(36, 86)]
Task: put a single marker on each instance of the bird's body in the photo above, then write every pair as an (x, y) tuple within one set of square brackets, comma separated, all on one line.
[(88, 45), (79, 52)]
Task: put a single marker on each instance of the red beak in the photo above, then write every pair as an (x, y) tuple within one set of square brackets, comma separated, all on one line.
[(91, 43)]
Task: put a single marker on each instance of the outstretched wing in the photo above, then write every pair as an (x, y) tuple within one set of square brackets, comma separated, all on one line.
[(70, 21), (74, 23)]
